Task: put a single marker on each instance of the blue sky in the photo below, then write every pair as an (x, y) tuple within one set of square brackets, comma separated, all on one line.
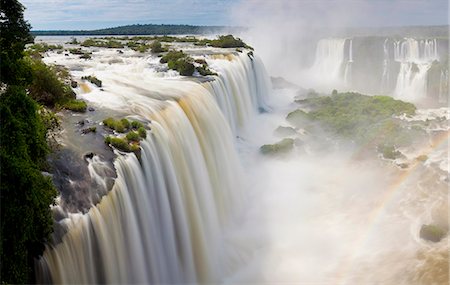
[(88, 14)]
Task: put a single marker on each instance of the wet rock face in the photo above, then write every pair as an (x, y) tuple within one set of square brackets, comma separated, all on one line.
[(432, 233), (72, 179)]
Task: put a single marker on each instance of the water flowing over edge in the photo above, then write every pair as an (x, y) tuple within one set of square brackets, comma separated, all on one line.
[(161, 221)]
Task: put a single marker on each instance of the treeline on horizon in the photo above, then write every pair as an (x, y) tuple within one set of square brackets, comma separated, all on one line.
[(148, 29)]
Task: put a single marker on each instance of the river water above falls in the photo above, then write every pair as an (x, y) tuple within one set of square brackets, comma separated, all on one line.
[(202, 205)]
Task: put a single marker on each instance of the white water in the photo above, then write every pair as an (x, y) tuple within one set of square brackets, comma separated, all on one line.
[(348, 67), (386, 77), (415, 58), (329, 61), (161, 222)]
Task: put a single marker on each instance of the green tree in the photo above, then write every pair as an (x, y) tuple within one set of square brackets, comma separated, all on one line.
[(15, 34), (25, 193)]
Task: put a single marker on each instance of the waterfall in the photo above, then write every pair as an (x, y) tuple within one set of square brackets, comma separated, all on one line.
[(161, 222), (348, 66), (443, 87), (329, 59), (415, 58), (385, 78)]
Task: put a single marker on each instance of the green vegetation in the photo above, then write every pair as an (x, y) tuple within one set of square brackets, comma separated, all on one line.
[(133, 136), (136, 125), (389, 152), (44, 47), (432, 233), (108, 43), (75, 105), (156, 47), (229, 41), (357, 116), (47, 87), (89, 130), (149, 29), (285, 131), (25, 194), (179, 61), (183, 66), (134, 130), (204, 70), (93, 80), (173, 55), (142, 132), (283, 146)]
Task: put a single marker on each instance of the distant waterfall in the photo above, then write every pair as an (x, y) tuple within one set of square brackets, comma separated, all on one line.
[(415, 58), (443, 87), (386, 78), (329, 59), (348, 66), (161, 222)]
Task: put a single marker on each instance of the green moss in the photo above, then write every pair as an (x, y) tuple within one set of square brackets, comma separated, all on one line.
[(283, 146), (119, 143), (89, 130), (133, 136), (136, 124), (75, 105), (126, 124), (142, 132), (432, 233), (93, 80)]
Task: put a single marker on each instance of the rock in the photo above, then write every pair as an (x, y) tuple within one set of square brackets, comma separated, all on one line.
[(80, 123), (282, 131), (89, 130), (283, 146), (73, 84), (89, 155), (432, 233), (91, 109), (297, 117), (422, 158)]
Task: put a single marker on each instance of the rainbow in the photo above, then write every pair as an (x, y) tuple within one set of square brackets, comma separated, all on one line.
[(388, 195)]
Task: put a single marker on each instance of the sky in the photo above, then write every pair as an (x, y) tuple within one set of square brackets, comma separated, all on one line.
[(88, 14)]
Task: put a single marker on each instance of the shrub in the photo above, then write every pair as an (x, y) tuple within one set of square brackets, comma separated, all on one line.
[(136, 124), (118, 126), (119, 143), (75, 105), (133, 136), (228, 41), (156, 47), (142, 132), (125, 123), (204, 70), (173, 55), (46, 88)]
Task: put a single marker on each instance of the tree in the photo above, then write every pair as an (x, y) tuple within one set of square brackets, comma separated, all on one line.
[(25, 194), (15, 34)]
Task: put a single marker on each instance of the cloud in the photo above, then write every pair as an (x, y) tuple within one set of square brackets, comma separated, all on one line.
[(85, 14)]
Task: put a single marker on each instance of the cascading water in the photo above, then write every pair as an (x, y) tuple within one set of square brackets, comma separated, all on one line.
[(329, 59), (443, 87), (415, 58), (348, 66), (385, 79), (162, 220)]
